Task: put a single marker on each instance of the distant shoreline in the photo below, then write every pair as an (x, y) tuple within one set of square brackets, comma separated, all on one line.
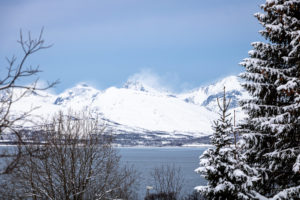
[(171, 146), (10, 143)]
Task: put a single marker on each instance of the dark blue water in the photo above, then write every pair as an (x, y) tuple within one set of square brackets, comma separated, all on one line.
[(146, 159)]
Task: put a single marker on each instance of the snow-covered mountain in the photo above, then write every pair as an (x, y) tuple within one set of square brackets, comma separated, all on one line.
[(140, 114)]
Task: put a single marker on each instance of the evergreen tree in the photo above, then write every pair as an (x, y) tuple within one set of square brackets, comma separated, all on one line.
[(222, 166), (272, 132)]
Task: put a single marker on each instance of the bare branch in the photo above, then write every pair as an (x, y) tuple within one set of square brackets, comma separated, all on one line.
[(11, 91)]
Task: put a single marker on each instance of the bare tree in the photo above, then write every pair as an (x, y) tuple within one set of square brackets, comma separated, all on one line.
[(76, 161), (12, 90), (168, 182)]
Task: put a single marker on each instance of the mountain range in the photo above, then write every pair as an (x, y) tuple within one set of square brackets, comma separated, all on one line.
[(138, 114)]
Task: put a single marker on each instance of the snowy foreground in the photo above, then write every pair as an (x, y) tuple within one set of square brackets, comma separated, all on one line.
[(158, 117)]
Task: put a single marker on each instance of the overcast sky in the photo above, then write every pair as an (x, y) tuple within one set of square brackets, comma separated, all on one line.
[(182, 44)]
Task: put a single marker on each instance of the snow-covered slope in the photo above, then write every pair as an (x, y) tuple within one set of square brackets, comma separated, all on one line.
[(151, 111), (141, 110), (206, 96)]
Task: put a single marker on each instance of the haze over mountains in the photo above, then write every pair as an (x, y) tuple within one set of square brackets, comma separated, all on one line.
[(139, 114)]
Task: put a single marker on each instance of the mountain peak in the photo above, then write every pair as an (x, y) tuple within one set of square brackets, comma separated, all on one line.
[(82, 92), (135, 85), (82, 84), (229, 80), (139, 85), (230, 83)]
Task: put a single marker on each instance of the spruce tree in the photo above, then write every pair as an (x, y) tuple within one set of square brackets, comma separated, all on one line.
[(272, 131), (222, 165)]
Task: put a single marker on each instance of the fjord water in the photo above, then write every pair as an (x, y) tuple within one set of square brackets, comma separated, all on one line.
[(145, 159)]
